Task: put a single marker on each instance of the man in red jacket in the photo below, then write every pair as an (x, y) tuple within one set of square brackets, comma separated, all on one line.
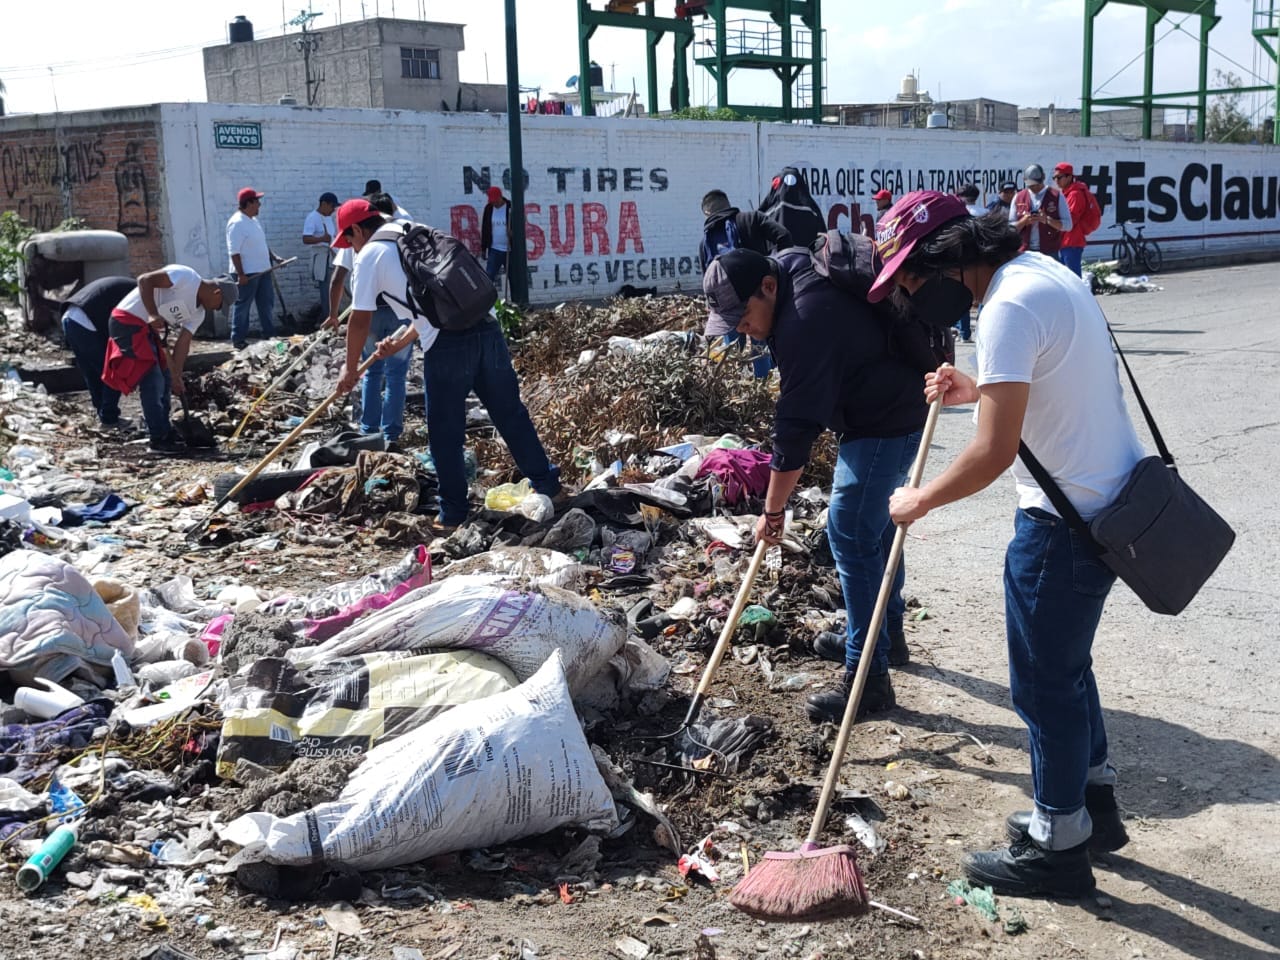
[(1075, 193)]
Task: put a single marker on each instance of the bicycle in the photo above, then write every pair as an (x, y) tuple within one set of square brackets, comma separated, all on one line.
[(1130, 251)]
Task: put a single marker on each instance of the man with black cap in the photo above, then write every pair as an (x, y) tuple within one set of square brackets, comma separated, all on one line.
[(318, 231), (838, 372), (251, 259), (1039, 213), (1004, 199)]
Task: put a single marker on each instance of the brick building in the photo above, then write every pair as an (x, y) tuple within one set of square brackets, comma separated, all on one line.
[(379, 62)]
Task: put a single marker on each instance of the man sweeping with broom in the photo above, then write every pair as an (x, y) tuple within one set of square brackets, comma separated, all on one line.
[(1048, 380)]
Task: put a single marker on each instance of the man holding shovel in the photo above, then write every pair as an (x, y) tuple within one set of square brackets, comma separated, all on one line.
[(837, 373), (251, 259), (1047, 378), (138, 329)]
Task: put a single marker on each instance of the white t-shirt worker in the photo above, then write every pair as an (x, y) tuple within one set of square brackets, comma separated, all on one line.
[(247, 240)]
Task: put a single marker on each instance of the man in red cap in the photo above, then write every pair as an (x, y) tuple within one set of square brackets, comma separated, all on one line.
[(251, 259), (1077, 197), (883, 199), (1048, 388), (495, 233), (456, 363)]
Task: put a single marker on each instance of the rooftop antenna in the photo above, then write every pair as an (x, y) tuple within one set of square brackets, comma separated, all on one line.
[(307, 44)]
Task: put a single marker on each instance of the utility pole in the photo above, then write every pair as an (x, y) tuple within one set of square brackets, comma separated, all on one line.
[(308, 44), (517, 256)]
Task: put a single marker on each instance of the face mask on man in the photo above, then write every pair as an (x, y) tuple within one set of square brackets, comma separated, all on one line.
[(941, 300)]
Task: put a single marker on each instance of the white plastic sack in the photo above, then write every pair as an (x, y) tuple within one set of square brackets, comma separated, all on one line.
[(519, 627), (490, 771)]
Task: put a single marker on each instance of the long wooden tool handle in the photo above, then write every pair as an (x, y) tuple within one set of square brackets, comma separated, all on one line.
[(320, 338), (293, 435), (726, 634), (869, 643)]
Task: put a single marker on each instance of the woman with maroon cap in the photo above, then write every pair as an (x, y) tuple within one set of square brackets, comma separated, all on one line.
[(1046, 378)]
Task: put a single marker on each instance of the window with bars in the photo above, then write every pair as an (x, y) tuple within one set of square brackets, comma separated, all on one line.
[(419, 63), (989, 114)]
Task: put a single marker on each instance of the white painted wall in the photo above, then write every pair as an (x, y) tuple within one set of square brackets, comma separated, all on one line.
[(612, 202)]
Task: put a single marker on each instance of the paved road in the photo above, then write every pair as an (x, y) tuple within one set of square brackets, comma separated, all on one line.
[(1193, 702)]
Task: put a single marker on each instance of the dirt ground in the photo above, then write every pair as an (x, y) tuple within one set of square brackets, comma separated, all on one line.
[(1190, 705)]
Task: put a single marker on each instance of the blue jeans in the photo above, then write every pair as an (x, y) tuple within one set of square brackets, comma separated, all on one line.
[(1072, 257), (966, 327), (257, 291), (382, 388), (495, 263), (860, 533), (763, 362), (1054, 590), (89, 347), (153, 391), (477, 359)]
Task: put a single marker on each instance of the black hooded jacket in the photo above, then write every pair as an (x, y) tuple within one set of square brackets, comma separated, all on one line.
[(791, 204), (840, 367), (755, 232)]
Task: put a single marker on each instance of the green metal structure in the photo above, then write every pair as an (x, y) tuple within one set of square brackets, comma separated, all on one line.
[(1266, 29), (786, 42)]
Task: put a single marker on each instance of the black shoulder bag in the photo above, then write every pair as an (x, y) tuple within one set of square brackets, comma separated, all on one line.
[(1158, 536)]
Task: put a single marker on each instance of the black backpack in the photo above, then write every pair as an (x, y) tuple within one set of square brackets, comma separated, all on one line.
[(848, 261), (444, 282), (721, 237)]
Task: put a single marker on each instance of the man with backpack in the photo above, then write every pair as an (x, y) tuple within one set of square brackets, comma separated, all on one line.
[(1086, 215), (728, 228), (843, 369), (432, 281)]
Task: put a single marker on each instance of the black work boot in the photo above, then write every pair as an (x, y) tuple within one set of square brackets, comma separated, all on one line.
[(899, 652), (1109, 834), (829, 704), (1026, 869), (830, 645)]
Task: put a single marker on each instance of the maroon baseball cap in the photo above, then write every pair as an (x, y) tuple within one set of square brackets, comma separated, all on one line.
[(349, 214), (247, 194), (905, 224), (882, 195)]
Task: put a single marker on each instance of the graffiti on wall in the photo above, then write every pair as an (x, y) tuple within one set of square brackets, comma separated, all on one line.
[(588, 233), (134, 216), (38, 176)]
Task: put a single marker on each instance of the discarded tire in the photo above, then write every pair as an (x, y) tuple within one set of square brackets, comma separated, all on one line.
[(262, 488)]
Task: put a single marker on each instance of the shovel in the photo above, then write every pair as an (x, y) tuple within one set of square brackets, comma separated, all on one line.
[(195, 432), (284, 444), (722, 646)]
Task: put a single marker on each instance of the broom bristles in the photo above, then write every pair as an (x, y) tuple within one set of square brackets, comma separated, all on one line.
[(822, 884)]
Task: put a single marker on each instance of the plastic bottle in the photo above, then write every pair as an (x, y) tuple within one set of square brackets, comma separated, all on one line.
[(41, 863), (120, 666)]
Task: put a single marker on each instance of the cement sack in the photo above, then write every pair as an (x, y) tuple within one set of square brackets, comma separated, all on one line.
[(515, 622), (273, 714), (491, 771)]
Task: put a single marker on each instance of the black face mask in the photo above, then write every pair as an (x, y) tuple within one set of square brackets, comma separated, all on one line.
[(941, 301)]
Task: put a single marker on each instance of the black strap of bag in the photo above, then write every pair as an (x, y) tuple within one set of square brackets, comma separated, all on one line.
[(1065, 508)]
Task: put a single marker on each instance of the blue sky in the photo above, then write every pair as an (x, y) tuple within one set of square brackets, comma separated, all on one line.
[(1024, 51)]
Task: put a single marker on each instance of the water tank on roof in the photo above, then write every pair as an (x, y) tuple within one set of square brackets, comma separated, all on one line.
[(909, 87), (596, 75), (936, 121), (240, 30)]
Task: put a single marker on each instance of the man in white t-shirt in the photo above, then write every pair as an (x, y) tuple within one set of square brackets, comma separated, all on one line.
[(251, 259), (382, 388), (137, 355), (317, 232), (456, 363), (495, 233), (1046, 377)]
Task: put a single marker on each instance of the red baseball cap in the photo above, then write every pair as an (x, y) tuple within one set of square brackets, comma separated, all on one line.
[(494, 194), (1065, 168), (882, 195), (905, 224), (350, 213), (247, 194)]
